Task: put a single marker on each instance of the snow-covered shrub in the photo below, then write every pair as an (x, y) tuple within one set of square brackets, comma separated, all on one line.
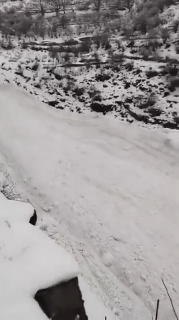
[(144, 52), (85, 47), (7, 187), (70, 84), (54, 53), (175, 26), (177, 48), (24, 44), (119, 44), (172, 70), (131, 43), (146, 101), (66, 57), (156, 56), (153, 33), (79, 91), (7, 43), (19, 69), (94, 93), (96, 57), (165, 34), (35, 65), (151, 73), (24, 25), (70, 42), (11, 10), (174, 83), (153, 22), (64, 20), (129, 66), (105, 41)]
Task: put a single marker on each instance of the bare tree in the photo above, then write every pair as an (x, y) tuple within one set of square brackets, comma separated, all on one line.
[(64, 6), (42, 10), (56, 4), (97, 4), (124, 4), (129, 4)]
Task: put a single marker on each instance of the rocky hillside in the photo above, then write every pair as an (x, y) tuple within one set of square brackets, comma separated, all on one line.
[(130, 75)]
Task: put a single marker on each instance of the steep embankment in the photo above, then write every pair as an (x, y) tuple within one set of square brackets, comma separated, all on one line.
[(109, 192)]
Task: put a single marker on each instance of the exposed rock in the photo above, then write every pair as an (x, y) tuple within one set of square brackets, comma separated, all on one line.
[(99, 107), (79, 91), (102, 77), (57, 76), (127, 85), (129, 100), (166, 93), (151, 73), (78, 110), (63, 301), (60, 107), (154, 112), (53, 103), (171, 125), (33, 219)]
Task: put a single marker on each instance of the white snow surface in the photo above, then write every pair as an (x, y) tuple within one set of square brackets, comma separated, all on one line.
[(15, 210), (29, 261), (107, 191)]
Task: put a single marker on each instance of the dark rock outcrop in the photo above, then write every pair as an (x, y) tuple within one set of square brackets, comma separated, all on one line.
[(102, 77), (52, 103), (63, 301), (33, 219), (100, 107)]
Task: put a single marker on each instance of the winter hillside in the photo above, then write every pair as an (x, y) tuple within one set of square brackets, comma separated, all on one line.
[(89, 119), (108, 193), (122, 64)]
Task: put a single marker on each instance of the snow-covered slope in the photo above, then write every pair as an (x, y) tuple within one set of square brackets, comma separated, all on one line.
[(15, 210), (109, 190), (29, 261)]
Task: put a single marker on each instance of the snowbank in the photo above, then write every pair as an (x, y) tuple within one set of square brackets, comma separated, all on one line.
[(14, 210), (29, 261)]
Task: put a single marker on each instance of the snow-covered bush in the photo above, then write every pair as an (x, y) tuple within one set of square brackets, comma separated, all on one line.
[(7, 187), (20, 69), (54, 53), (146, 101), (174, 83), (6, 44)]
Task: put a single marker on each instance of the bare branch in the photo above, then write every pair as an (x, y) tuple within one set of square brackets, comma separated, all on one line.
[(156, 315), (170, 299), (7, 187)]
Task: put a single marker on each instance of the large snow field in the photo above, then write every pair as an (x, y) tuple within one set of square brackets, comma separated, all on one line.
[(108, 192)]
